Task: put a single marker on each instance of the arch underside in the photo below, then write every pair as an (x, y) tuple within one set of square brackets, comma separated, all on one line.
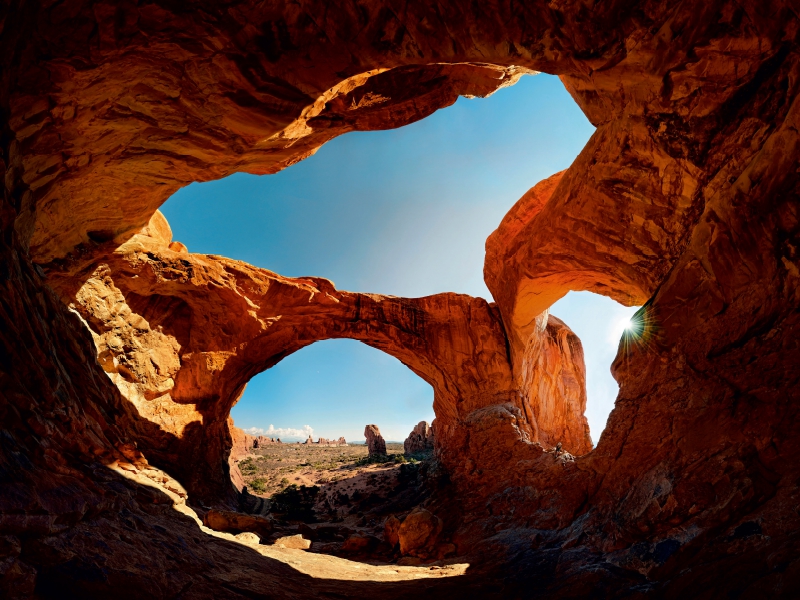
[(685, 200), (181, 334)]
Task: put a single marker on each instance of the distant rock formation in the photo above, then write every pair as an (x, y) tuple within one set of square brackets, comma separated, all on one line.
[(332, 443), (243, 442), (375, 441), (420, 439), (326, 442), (261, 441)]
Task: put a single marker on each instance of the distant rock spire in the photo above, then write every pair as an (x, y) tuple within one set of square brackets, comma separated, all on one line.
[(375, 441)]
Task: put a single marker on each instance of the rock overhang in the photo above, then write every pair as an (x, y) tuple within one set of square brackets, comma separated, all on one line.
[(686, 197)]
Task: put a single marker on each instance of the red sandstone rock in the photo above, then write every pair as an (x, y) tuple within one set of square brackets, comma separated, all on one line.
[(242, 443), (178, 247), (686, 197), (420, 439), (455, 342), (391, 531), (418, 533), (554, 385), (229, 521), (375, 441)]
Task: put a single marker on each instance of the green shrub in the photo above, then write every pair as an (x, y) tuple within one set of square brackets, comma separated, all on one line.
[(375, 459), (247, 467), (259, 485)]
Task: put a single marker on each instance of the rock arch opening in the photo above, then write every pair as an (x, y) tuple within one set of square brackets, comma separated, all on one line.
[(322, 479), (402, 211), (685, 199), (600, 323), (332, 389), (460, 190)]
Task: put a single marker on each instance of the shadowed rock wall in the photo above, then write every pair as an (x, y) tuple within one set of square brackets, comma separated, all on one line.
[(685, 199)]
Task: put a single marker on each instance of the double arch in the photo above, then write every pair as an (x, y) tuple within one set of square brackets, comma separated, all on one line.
[(219, 322)]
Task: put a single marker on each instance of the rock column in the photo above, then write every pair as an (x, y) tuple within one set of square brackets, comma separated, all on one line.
[(375, 441)]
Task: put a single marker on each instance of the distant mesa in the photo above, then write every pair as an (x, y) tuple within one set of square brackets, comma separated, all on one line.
[(328, 443), (420, 439), (262, 441), (375, 442), (243, 443)]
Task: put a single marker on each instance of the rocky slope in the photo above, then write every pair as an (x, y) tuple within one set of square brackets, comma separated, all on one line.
[(685, 200)]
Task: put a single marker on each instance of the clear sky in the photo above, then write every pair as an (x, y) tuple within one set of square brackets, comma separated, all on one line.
[(403, 212)]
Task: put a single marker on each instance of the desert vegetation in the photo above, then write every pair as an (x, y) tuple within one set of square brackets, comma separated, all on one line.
[(272, 469)]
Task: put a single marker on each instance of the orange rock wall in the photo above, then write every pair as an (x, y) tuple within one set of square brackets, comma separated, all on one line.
[(685, 200), (196, 328)]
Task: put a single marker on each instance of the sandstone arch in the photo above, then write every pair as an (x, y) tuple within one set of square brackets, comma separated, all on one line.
[(181, 334), (695, 479)]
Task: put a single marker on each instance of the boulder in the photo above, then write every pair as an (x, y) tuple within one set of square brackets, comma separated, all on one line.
[(178, 247), (232, 522), (418, 533), (391, 531), (248, 537), (375, 442), (297, 542)]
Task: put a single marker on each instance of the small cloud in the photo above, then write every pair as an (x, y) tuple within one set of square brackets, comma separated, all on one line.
[(285, 433)]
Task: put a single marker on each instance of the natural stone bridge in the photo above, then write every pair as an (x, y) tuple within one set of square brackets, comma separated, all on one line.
[(685, 200), (181, 334)]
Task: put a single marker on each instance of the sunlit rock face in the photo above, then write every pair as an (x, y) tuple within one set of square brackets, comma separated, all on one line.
[(195, 328), (685, 200), (420, 439)]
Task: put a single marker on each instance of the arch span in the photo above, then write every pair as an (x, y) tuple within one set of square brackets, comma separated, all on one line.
[(107, 109), (181, 334)]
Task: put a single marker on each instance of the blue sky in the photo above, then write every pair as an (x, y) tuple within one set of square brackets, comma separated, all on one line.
[(403, 212)]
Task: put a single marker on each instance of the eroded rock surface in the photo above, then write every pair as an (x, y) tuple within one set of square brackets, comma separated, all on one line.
[(685, 201), (420, 439), (223, 321), (375, 442)]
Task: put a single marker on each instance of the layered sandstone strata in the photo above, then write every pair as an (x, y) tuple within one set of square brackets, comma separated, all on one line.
[(685, 200)]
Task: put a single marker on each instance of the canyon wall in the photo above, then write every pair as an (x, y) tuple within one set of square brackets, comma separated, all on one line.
[(121, 353)]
